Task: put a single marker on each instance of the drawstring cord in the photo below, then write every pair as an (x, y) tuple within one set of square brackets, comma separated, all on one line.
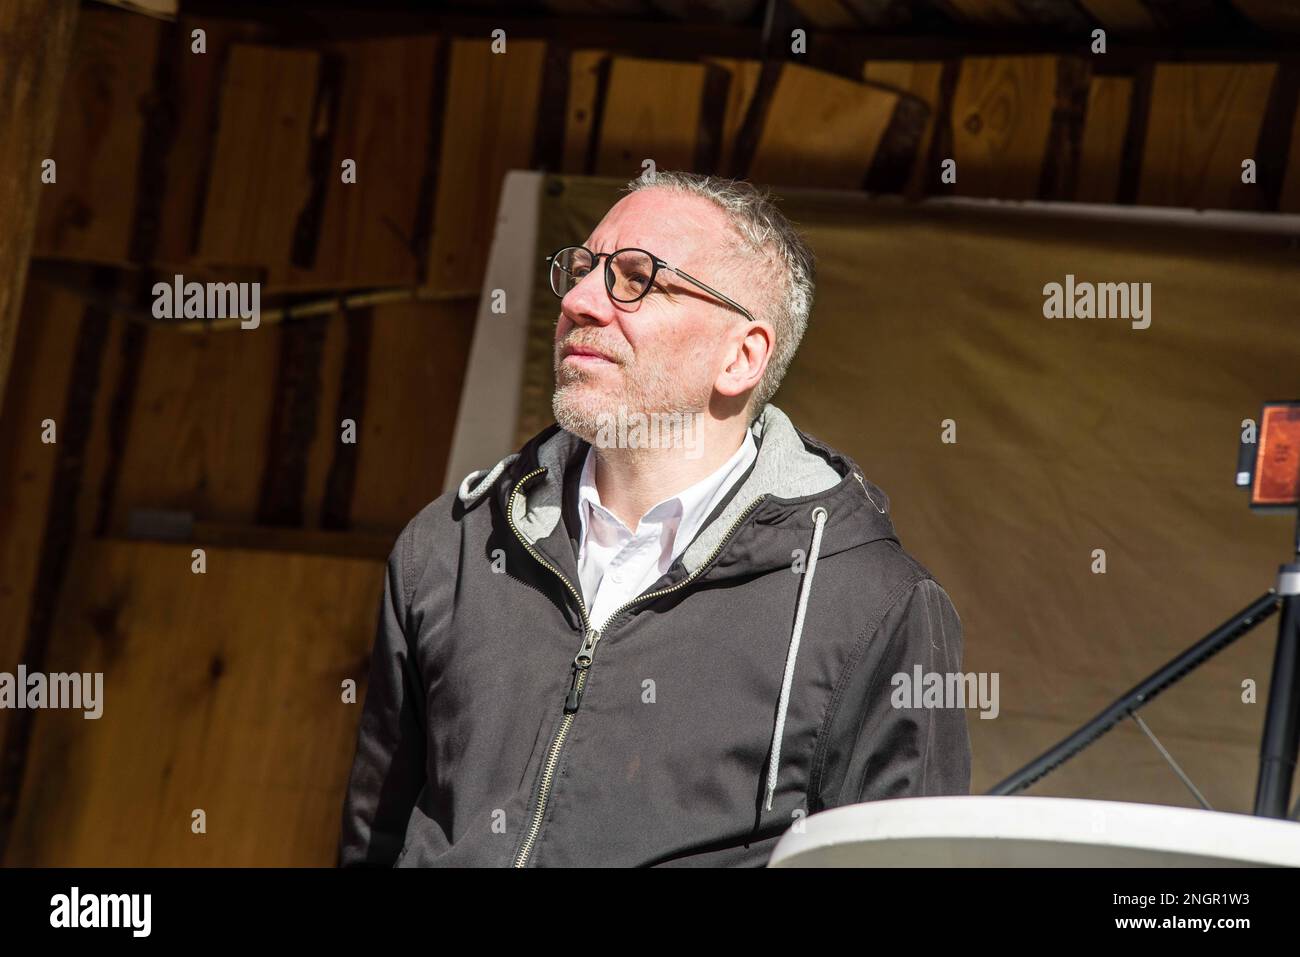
[(819, 520)]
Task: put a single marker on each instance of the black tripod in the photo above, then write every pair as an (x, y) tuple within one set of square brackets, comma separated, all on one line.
[(1281, 739)]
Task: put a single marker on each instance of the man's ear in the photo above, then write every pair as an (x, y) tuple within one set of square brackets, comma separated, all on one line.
[(748, 352)]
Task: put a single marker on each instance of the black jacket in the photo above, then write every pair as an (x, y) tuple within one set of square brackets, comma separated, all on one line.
[(500, 729)]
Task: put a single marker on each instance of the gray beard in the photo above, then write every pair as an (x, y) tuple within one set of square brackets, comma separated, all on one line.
[(570, 418)]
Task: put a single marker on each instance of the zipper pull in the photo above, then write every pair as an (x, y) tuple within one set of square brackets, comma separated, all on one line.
[(583, 658), (581, 662)]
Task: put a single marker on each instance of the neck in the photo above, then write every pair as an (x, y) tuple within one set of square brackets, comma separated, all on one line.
[(632, 481)]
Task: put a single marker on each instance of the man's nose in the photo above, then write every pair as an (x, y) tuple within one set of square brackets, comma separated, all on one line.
[(588, 303)]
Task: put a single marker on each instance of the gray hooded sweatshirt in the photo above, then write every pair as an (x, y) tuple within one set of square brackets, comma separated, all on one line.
[(747, 688)]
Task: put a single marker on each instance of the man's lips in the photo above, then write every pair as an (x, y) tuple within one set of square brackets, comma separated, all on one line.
[(585, 354)]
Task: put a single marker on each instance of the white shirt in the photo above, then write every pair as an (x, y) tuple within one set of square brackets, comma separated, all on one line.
[(616, 564)]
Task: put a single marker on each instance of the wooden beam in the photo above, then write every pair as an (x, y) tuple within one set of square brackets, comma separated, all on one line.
[(305, 23), (36, 36)]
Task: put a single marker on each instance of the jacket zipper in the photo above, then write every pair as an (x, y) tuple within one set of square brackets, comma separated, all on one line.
[(583, 659)]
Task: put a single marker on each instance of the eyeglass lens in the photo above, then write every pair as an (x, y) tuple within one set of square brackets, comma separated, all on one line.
[(632, 270)]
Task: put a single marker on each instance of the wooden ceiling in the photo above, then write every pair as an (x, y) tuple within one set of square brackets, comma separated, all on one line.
[(1151, 18), (1155, 21)]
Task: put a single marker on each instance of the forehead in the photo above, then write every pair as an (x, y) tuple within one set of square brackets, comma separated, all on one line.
[(678, 227)]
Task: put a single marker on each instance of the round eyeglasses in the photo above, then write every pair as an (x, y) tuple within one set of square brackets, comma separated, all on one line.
[(629, 273)]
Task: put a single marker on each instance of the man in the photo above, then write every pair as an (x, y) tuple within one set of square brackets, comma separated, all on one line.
[(665, 630)]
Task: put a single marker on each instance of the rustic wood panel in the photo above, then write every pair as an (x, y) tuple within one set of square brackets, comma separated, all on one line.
[(260, 179), (295, 411), (368, 227), (40, 36), (320, 454), (1101, 154), (354, 384), (58, 530), (651, 111), (586, 68), (1204, 120), (418, 353), (821, 130), (489, 128), (37, 390), (198, 432), (1001, 119), (221, 691), (921, 79), (197, 103), (744, 76), (86, 214), (112, 393)]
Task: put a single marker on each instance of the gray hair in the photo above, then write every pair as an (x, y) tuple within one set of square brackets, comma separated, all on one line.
[(765, 234)]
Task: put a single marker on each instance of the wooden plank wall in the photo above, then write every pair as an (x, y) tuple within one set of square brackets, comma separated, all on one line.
[(37, 391), (263, 182), (1203, 119), (37, 39), (194, 422), (821, 129), (227, 164), (242, 709), (86, 213)]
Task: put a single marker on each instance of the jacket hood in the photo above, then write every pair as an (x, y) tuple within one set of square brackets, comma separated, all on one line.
[(792, 475)]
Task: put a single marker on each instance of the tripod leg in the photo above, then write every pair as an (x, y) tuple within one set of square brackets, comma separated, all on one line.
[(1281, 742)]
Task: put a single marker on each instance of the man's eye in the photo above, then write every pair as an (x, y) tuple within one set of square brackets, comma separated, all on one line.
[(638, 280), (577, 272)]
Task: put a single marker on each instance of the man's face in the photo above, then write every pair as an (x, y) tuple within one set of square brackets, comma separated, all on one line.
[(663, 353)]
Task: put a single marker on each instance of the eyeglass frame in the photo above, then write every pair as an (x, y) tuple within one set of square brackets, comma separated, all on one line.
[(657, 264)]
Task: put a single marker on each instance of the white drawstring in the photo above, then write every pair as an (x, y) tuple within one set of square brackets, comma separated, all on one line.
[(819, 519)]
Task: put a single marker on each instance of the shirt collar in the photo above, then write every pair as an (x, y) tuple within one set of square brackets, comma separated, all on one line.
[(692, 505)]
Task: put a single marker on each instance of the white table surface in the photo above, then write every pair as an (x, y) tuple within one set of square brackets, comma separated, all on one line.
[(983, 831)]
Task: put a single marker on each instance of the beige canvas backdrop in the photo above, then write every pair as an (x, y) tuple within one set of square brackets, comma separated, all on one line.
[(1072, 435)]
